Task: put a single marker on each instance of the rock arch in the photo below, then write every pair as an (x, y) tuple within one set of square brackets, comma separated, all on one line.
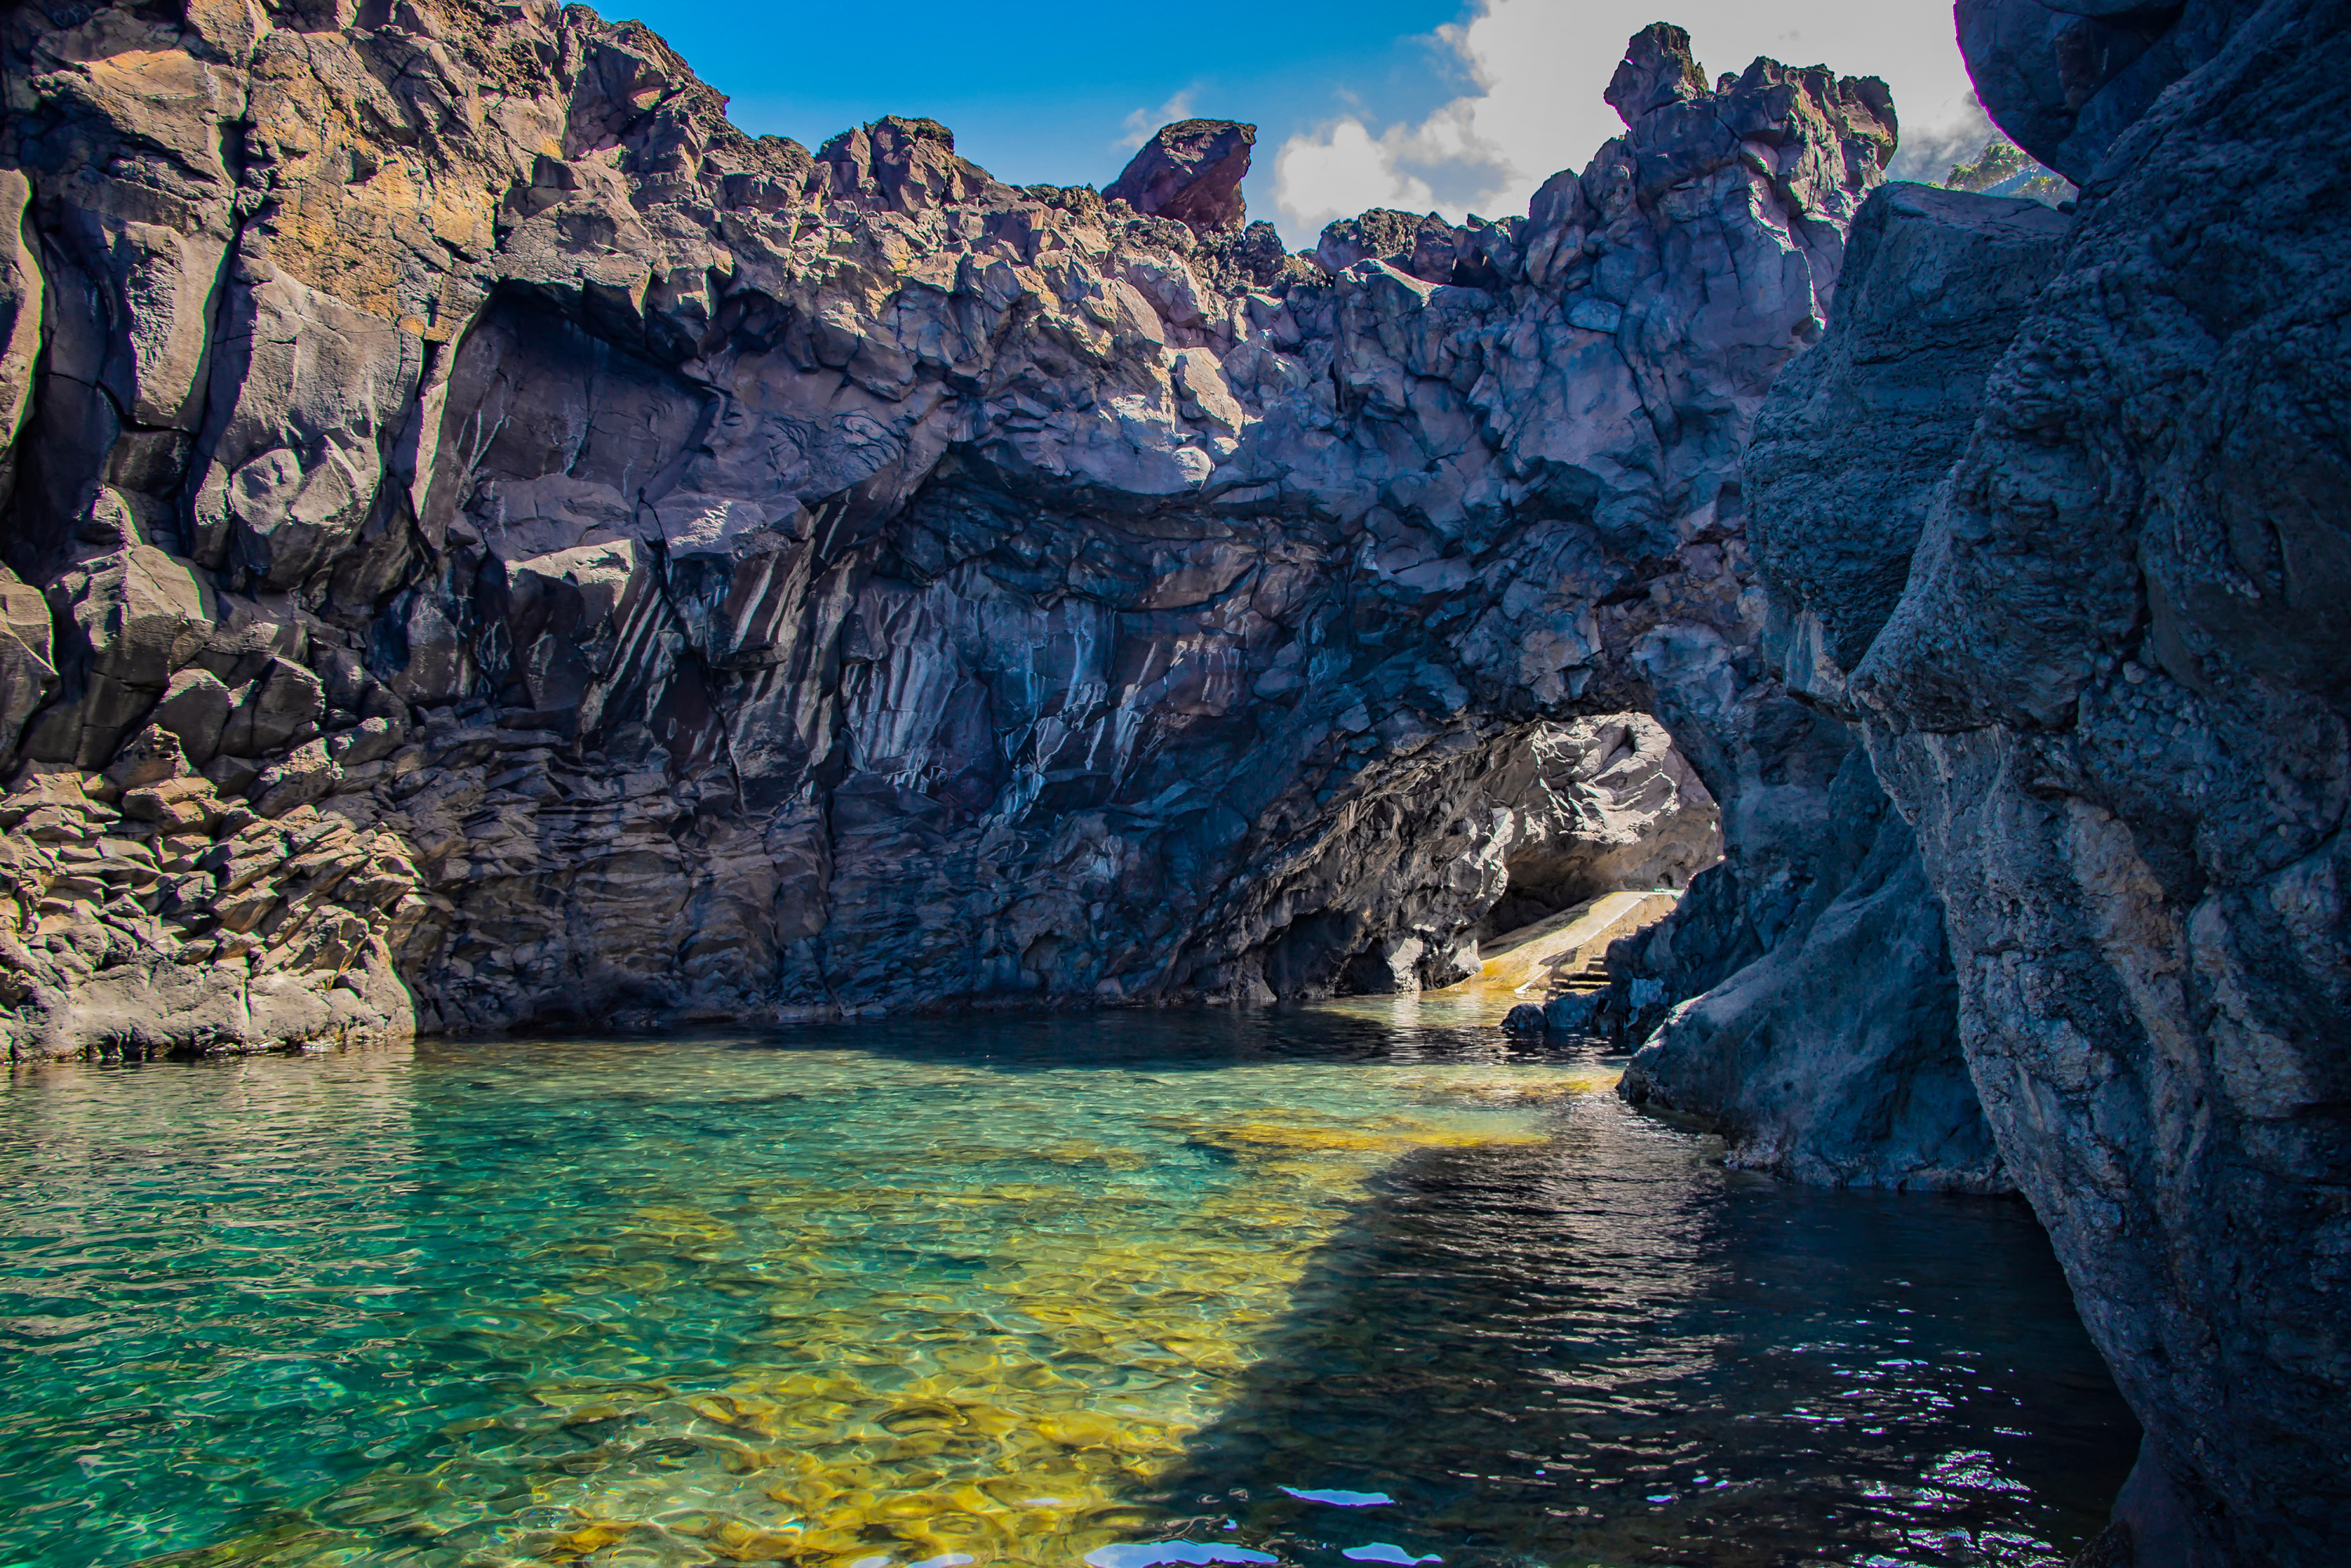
[(749, 583)]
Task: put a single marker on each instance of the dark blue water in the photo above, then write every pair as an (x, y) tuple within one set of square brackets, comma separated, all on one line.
[(1001, 1290)]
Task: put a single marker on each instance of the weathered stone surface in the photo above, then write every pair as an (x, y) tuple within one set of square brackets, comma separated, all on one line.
[(305, 775), (1833, 1056), (1656, 70), (1818, 1027), (20, 314), (1937, 284), (175, 923), (149, 756), (128, 618), (1192, 172), (759, 584), (196, 707), (281, 707), (177, 805), (28, 670), (2112, 702), (1422, 246), (2068, 78)]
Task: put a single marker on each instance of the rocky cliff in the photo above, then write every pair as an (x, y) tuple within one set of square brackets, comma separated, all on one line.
[(493, 544), (2056, 516), (1820, 1033), (489, 544)]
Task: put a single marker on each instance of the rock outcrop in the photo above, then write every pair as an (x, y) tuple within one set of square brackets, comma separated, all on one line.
[(2099, 648), (752, 583), (306, 913), (1831, 1053), (1191, 172), (1820, 1033)]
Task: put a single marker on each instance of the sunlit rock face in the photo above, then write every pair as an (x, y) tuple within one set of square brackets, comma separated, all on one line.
[(747, 583), (2094, 634)]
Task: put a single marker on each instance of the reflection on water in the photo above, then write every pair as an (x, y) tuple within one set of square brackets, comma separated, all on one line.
[(1342, 1284)]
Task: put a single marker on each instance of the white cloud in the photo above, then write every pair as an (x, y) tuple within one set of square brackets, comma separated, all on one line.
[(1928, 153), (1340, 173), (1144, 121), (1537, 68)]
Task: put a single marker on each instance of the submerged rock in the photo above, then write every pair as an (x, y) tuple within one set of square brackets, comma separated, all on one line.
[(1571, 1014), (1527, 1018)]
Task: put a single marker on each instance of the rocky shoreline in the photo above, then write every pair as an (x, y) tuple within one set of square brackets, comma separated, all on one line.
[(489, 544)]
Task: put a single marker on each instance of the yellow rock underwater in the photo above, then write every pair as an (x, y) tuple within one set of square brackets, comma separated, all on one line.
[(986, 1335)]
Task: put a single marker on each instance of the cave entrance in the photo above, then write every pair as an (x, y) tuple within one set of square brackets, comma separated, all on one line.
[(1610, 805), (1527, 850)]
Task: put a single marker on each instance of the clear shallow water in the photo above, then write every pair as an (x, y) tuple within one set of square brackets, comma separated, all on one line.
[(903, 1292)]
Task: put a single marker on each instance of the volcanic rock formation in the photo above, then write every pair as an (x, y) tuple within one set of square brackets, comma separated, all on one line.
[(1828, 1050), (1191, 172), (487, 542), (2056, 516), (668, 574)]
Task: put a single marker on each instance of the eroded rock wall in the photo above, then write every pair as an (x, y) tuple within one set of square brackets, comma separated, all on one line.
[(1820, 1029), (2111, 699), (746, 582), (307, 913)]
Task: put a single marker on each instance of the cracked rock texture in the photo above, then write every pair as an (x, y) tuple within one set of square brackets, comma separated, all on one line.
[(307, 911), (1821, 1035), (2101, 658), (749, 583)]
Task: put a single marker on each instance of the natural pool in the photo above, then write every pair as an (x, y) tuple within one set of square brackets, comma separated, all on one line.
[(1001, 1290)]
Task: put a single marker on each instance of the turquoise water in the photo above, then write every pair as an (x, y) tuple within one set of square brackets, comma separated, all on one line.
[(1002, 1289)]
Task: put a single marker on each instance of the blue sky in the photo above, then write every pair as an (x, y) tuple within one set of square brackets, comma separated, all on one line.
[(1412, 103)]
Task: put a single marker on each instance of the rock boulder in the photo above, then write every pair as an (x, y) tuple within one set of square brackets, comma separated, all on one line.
[(1191, 172)]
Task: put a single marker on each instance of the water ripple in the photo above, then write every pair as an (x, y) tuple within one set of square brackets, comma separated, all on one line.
[(930, 1294)]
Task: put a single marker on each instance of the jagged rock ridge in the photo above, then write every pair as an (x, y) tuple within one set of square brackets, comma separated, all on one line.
[(740, 582)]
